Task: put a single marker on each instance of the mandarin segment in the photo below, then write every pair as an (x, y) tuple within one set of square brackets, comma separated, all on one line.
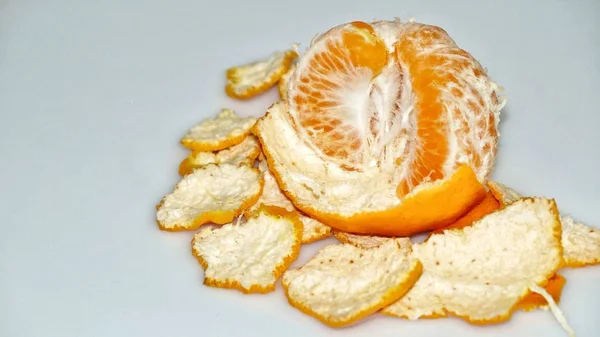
[(456, 109), (323, 89), (213, 193), (249, 256), (343, 283)]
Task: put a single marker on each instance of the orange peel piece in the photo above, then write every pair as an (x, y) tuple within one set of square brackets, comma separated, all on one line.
[(533, 301), (214, 134), (314, 230), (244, 153), (581, 243), (249, 80), (488, 205), (249, 256), (213, 193), (362, 241), (284, 82), (471, 274), (272, 195), (364, 202), (343, 283)]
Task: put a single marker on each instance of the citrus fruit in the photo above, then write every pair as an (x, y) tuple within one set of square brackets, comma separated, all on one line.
[(384, 123)]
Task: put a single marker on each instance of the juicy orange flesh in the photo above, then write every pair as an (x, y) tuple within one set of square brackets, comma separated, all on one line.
[(329, 111), (430, 72), (358, 49)]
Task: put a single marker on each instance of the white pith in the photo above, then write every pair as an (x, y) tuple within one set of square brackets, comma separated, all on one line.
[(254, 74), (473, 274), (246, 253)]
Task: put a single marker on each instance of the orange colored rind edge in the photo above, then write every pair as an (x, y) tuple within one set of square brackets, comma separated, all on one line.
[(569, 262), (187, 164), (318, 236), (279, 269), (214, 145), (263, 86), (218, 217), (488, 205), (250, 212), (391, 296), (417, 213), (343, 238)]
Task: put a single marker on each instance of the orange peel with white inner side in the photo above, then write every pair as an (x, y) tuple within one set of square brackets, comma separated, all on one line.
[(313, 230), (213, 134), (359, 202), (210, 194), (470, 274), (581, 243), (390, 129), (244, 153), (284, 82), (249, 256), (248, 80), (342, 283)]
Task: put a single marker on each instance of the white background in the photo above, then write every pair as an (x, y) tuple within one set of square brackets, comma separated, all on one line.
[(94, 96)]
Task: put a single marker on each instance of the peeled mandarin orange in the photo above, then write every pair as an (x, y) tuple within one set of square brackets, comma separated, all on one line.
[(389, 129)]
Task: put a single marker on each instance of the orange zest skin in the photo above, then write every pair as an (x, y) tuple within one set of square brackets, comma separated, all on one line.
[(260, 87), (390, 297), (200, 146), (488, 205), (218, 217), (279, 269)]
